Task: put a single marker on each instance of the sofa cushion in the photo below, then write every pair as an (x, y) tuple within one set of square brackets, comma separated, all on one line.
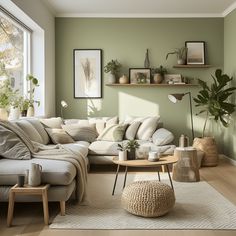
[(104, 148), (113, 133), (131, 131), (54, 172), (54, 122), (162, 137), (102, 122), (29, 130), (79, 132), (11, 146), (39, 127), (147, 128), (59, 136)]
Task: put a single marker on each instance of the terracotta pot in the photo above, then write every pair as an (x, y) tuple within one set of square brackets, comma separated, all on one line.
[(208, 146), (157, 78), (123, 79)]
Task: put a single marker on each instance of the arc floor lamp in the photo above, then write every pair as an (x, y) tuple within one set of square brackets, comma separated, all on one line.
[(175, 97)]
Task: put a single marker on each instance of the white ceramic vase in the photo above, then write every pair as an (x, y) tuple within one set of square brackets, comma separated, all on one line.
[(14, 113), (35, 174), (111, 79), (30, 111), (123, 79), (3, 114), (122, 155)]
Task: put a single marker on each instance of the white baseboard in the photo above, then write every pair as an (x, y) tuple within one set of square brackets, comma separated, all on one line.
[(229, 160)]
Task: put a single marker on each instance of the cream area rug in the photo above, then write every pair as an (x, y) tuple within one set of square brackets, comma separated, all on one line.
[(198, 206)]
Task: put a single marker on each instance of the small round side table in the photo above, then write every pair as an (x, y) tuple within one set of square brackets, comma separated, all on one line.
[(187, 168)]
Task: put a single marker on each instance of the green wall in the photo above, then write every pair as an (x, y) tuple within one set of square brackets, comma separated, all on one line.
[(230, 68), (127, 40)]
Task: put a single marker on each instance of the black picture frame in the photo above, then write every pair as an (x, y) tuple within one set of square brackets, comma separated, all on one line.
[(196, 52), (87, 73), (133, 77)]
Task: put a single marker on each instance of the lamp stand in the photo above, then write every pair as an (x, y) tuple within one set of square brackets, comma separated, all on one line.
[(191, 111)]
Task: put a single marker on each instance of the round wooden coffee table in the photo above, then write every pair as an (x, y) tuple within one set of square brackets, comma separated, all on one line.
[(164, 161)]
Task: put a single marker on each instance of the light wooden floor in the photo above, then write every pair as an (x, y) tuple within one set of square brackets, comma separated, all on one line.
[(28, 218)]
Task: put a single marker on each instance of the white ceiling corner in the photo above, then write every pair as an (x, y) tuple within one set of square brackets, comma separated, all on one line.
[(141, 8)]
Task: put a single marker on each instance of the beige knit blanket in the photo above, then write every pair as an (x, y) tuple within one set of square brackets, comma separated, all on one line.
[(57, 152)]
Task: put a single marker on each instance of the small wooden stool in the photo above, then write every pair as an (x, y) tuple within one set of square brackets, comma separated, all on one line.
[(28, 190), (187, 168)]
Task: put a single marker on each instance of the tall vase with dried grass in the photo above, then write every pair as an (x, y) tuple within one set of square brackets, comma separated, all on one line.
[(214, 101)]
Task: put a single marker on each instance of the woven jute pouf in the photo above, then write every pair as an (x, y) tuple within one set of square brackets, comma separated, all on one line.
[(148, 198)]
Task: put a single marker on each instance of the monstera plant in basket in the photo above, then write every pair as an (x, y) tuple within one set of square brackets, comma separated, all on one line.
[(214, 101)]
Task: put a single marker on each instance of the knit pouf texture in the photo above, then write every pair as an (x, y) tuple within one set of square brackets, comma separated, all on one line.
[(148, 198)]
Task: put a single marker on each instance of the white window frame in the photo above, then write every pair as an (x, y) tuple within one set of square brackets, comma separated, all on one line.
[(27, 45)]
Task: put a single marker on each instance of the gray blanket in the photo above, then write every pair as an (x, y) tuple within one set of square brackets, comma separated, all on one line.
[(57, 152)]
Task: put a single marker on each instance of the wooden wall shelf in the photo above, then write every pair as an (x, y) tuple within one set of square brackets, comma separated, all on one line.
[(192, 66), (152, 85)]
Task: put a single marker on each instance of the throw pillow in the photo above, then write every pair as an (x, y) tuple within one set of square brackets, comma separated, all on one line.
[(162, 137), (113, 133), (29, 130), (59, 136), (54, 123), (147, 128), (11, 146), (102, 122), (81, 132), (131, 131)]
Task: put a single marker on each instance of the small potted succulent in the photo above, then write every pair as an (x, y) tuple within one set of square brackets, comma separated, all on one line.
[(158, 74), (181, 54), (131, 146), (112, 67), (122, 152)]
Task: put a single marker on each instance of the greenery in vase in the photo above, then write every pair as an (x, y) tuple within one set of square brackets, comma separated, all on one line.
[(6, 93), (113, 67), (132, 144), (214, 99), (122, 147), (160, 70), (33, 83), (179, 52)]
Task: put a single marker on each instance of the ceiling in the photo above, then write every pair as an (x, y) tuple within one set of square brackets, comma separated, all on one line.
[(141, 8)]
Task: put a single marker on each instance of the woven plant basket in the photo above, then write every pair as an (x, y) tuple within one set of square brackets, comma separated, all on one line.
[(208, 146), (148, 198)]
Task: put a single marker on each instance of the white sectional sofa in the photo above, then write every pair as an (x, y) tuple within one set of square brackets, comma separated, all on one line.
[(93, 145)]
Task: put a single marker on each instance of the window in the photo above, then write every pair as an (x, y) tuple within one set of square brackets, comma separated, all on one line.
[(14, 51)]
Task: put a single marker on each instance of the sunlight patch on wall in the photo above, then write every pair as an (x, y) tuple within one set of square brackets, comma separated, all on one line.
[(94, 107), (134, 106)]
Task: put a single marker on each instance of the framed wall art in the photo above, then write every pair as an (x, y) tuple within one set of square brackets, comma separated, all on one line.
[(87, 73), (195, 52), (139, 75)]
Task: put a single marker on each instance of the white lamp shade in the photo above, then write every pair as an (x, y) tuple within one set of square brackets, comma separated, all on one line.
[(64, 104), (172, 98)]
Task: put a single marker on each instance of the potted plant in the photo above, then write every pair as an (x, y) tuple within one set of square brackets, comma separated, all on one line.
[(122, 152), (214, 101), (112, 67), (6, 92), (15, 103), (33, 83), (131, 146), (180, 53), (158, 74)]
